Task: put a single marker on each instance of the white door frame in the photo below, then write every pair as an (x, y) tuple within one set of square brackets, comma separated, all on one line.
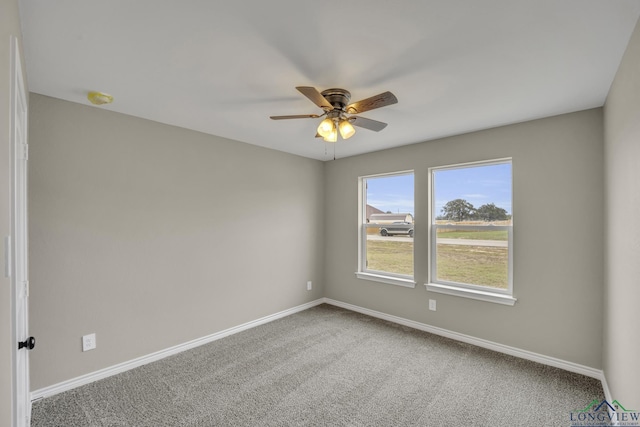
[(21, 401)]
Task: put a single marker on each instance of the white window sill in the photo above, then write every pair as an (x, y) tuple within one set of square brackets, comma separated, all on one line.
[(471, 293), (390, 280)]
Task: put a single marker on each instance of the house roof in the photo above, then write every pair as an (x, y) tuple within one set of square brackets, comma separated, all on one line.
[(224, 67)]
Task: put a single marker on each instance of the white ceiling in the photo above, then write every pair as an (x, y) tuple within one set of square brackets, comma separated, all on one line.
[(223, 67)]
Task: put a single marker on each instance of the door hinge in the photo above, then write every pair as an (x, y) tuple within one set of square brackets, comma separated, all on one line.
[(25, 289), (7, 256), (24, 152)]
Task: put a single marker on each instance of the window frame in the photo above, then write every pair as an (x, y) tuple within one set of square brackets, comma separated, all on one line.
[(376, 275), (468, 290)]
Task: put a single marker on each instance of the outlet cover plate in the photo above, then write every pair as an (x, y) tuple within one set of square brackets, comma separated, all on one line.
[(88, 342)]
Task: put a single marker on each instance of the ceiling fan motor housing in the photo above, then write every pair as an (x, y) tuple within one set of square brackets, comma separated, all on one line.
[(339, 98)]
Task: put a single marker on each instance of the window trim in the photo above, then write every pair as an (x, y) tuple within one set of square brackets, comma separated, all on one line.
[(385, 277), (468, 290), (471, 293), (376, 275)]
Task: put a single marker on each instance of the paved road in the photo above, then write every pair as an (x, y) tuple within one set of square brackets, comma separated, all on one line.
[(471, 242), (468, 242)]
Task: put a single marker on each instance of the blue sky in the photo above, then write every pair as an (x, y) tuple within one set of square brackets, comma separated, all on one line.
[(478, 185), (391, 193)]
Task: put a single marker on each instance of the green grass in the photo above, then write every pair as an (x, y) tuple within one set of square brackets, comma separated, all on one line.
[(389, 256), (478, 265)]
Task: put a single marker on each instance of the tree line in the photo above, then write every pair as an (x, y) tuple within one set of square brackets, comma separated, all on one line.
[(462, 210)]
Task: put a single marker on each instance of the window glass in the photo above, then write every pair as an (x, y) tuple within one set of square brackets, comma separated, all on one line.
[(471, 232), (388, 224)]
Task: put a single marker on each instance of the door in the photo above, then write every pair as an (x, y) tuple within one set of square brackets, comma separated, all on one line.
[(19, 241)]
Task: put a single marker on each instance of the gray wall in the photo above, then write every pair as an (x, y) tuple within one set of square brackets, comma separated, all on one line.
[(151, 235), (558, 233), (9, 25), (622, 177)]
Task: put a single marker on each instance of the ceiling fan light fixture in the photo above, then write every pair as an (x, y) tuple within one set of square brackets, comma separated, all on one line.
[(326, 127), (346, 129)]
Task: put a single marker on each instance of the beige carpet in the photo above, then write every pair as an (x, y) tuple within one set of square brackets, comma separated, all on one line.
[(327, 366)]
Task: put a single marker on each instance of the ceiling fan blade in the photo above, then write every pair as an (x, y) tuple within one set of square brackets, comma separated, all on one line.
[(315, 97), (373, 125), (377, 101), (298, 116)]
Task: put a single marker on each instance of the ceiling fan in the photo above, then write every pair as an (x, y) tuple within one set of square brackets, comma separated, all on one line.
[(341, 116)]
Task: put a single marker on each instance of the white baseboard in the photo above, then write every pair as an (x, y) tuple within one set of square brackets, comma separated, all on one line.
[(605, 387), (501, 348), (125, 366)]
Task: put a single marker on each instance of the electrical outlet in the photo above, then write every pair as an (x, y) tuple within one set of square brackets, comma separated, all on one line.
[(432, 305), (309, 285), (88, 342)]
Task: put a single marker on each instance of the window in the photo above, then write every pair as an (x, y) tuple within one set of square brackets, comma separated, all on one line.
[(471, 236), (387, 229)]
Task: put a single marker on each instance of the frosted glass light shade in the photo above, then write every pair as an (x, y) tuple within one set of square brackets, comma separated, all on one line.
[(346, 129)]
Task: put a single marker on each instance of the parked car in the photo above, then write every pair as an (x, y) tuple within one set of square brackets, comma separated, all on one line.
[(398, 227)]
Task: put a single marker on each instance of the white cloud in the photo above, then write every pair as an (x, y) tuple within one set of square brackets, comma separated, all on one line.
[(475, 196), (392, 205)]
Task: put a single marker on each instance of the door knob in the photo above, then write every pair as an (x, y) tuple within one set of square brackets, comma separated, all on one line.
[(29, 343)]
